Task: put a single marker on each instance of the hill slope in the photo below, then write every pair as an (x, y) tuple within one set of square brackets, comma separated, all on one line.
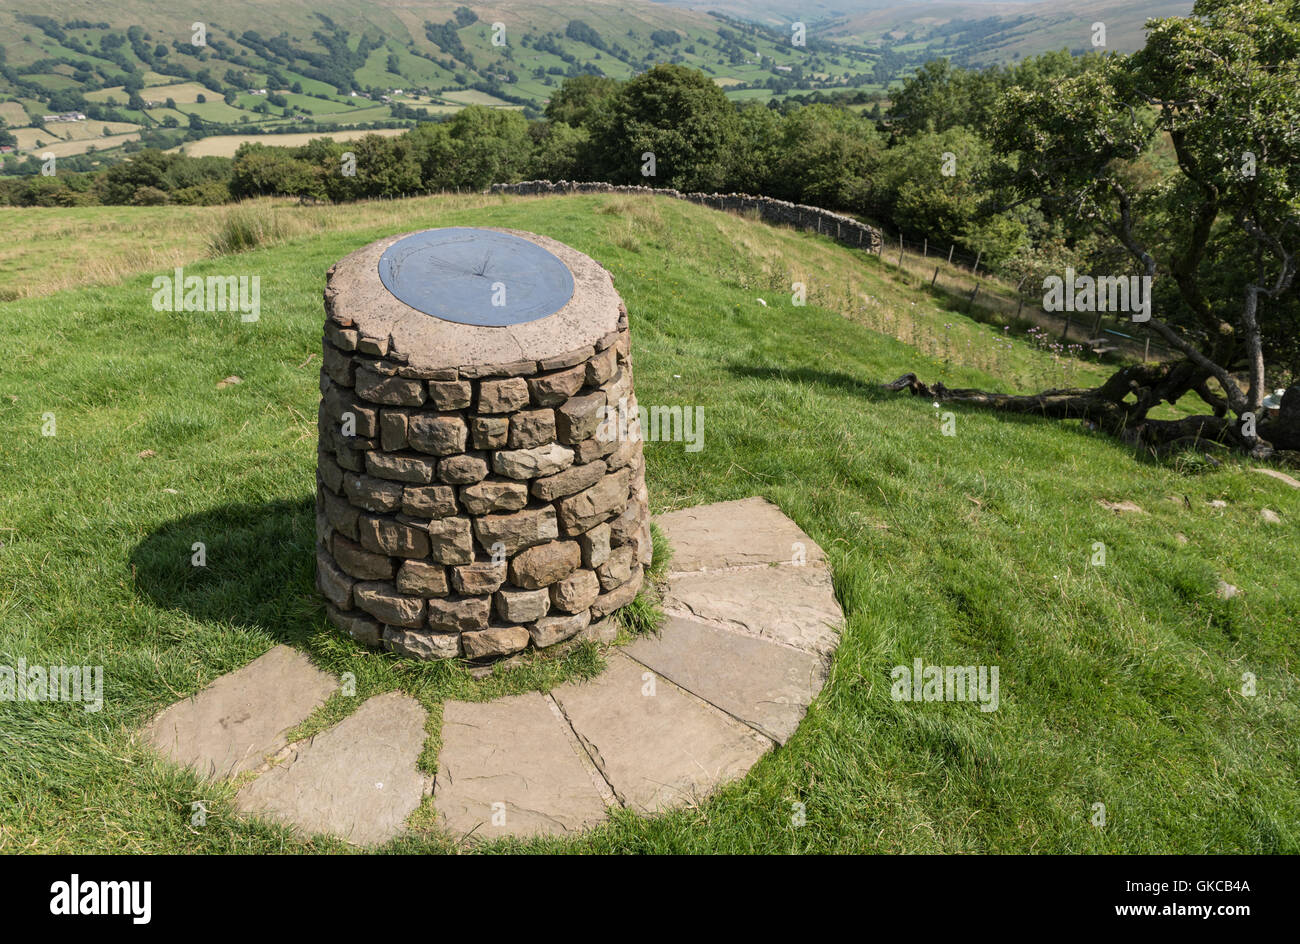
[(440, 55), (970, 32), (1121, 683)]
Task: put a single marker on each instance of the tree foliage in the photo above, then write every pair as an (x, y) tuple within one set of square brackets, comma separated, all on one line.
[(1221, 234)]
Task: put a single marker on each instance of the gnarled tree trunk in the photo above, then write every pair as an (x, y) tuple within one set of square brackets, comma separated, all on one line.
[(1121, 404)]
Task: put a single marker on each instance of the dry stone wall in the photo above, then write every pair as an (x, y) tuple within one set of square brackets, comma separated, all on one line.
[(843, 229), (473, 512)]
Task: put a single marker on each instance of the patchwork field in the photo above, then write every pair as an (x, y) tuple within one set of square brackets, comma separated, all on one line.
[(13, 114), (82, 130), (84, 145), (227, 144), (475, 97)]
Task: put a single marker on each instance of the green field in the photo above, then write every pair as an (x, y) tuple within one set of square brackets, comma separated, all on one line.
[(544, 45), (1120, 684), (356, 115)]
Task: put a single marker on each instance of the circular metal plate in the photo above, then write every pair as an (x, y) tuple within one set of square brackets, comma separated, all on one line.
[(476, 276)]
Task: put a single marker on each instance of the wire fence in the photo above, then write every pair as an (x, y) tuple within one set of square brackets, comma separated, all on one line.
[(1010, 294)]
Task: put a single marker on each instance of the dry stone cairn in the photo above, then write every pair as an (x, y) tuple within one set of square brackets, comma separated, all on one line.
[(473, 497)]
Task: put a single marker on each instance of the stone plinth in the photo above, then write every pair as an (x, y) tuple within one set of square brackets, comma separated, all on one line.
[(474, 496)]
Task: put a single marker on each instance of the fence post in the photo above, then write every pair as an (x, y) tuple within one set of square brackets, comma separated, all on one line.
[(935, 278), (979, 255), (925, 248), (900, 250), (1146, 355), (1065, 335), (950, 249)]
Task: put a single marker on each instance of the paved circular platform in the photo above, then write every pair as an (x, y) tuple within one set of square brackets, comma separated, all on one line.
[(752, 624)]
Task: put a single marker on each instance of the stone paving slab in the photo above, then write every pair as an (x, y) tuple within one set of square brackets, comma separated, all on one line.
[(656, 751), (792, 605), (765, 685), (749, 639), (235, 723), (357, 780), (517, 751), (734, 534)]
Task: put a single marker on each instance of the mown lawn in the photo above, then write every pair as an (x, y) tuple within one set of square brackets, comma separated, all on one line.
[(1120, 684)]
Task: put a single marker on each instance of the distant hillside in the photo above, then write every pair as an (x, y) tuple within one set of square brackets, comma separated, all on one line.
[(444, 53), (970, 32), (133, 73), (90, 83)]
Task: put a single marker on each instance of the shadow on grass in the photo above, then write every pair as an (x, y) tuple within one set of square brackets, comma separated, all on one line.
[(873, 391), (259, 568)]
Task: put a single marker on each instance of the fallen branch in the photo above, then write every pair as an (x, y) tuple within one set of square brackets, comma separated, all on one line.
[(1120, 406)]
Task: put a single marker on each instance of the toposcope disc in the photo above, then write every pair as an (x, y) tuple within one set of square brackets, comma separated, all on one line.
[(476, 276)]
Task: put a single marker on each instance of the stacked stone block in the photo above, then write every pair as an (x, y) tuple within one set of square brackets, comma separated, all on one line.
[(475, 511)]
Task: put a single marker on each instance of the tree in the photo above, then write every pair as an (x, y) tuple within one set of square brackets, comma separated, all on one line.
[(941, 96), (579, 31), (932, 184), (386, 167), (579, 98), (825, 157), (678, 115), (759, 137), (558, 151), (147, 169), (1219, 236), (491, 145), (260, 169)]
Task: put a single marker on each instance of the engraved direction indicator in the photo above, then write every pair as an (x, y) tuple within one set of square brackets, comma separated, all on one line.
[(476, 276)]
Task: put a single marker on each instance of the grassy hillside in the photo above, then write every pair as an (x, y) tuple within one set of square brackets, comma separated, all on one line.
[(1120, 684), (332, 62), (970, 32)]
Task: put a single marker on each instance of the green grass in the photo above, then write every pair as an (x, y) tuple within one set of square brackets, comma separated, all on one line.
[(358, 115), (618, 22), (1119, 684)]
